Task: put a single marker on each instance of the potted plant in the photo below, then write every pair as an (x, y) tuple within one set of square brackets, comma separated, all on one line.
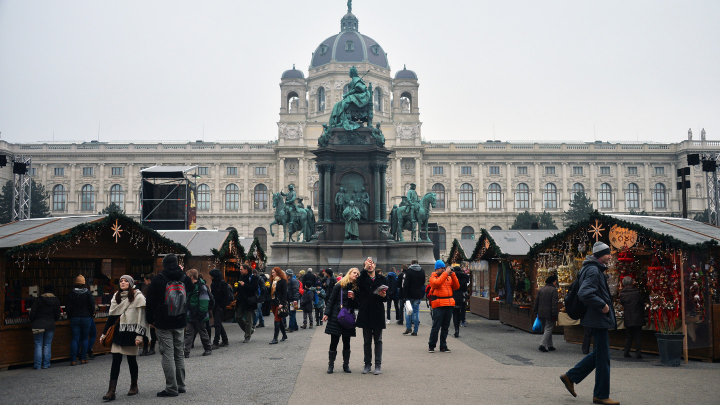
[(670, 343)]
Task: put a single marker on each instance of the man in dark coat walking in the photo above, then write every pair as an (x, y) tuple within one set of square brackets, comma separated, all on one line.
[(414, 290), (401, 293), (634, 310), (221, 292), (546, 309), (600, 317), (247, 299), (371, 313)]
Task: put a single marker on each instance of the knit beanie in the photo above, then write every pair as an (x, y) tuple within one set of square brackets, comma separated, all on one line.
[(215, 273), (439, 264), (129, 279), (289, 272), (170, 261), (600, 249), (80, 279)]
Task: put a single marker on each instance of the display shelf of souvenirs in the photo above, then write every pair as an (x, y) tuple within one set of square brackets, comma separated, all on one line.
[(523, 286)]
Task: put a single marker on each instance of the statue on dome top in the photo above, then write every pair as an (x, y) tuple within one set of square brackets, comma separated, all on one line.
[(349, 6)]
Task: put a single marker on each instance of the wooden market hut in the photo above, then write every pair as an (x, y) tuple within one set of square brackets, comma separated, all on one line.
[(38, 252), (210, 249), (495, 251), (458, 249), (666, 257)]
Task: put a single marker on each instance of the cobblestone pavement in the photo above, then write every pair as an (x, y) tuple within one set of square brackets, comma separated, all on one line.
[(491, 363)]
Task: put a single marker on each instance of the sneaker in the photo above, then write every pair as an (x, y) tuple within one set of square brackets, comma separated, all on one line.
[(207, 353), (187, 355), (445, 350), (261, 325), (464, 324), (182, 390), (224, 344), (215, 346), (413, 334), (247, 340), (431, 350), (399, 322), (151, 352), (551, 349), (542, 349), (164, 393), (407, 331)]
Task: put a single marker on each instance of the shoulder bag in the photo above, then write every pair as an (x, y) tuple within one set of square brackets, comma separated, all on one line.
[(110, 334), (346, 318)]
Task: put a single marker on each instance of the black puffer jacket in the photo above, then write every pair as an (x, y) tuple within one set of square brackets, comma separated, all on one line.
[(219, 290), (459, 294), (247, 290), (332, 310), (45, 312), (414, 283), (371, 313), (80, 303), (293, 289), (633, 306)]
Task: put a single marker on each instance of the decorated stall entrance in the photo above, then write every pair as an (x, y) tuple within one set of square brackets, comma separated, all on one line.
[(38, 252), (671, 260)]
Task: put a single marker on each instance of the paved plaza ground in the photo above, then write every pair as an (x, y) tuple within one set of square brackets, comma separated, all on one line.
[(491, 363)]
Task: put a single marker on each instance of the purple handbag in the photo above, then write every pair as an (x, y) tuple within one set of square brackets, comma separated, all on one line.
[(346, 318)]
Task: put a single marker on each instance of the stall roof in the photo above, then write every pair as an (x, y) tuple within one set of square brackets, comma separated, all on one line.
[(467, 245), (165, 172), (198, 242), (518, 243), (33, 230), (687, 230), (246, 243)]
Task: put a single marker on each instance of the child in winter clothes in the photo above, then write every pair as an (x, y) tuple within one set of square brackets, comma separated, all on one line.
[(319, 304), (306, 304)]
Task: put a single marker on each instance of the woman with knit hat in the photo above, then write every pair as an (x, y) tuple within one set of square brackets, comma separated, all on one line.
[(127, 309), (80, 309)]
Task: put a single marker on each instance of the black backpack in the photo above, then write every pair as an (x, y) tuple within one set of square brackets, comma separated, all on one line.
[(574, 307), (392, 285), (211, 304)]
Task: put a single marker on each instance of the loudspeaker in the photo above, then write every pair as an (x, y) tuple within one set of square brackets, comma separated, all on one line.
[(709, 165), (3, 160), (20, 168), (693, 159)]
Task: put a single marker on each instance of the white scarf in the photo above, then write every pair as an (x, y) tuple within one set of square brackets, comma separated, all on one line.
[(132, 314)]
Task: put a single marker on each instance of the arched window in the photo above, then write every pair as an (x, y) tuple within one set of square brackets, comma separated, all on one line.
[(232, 197), (659, 197), (466, 196), (442, 238), (58, 198), (494, 196), (467, 233), (550, 196), (577, 188), (321, 99), (496, 228), (632, 196), (292, 102), (203, 197), (260, 197), (406, 102), (377, 99), (231, 228), (116, 195), (87, 195), (605, 196), (522, 197), (261, 234), (316, 195), (439, 191)]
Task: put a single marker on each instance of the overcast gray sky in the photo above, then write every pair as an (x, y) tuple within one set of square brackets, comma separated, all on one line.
[(521, 70)]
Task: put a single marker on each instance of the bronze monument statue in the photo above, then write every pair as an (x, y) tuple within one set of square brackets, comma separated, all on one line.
[(351, 216)]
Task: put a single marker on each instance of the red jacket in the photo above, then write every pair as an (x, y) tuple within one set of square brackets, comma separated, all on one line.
[(443, 286)]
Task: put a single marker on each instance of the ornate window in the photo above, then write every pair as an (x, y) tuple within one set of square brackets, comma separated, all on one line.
[(605, 196), (522, 170), (439, 191), (260, 197), (522, 197), (467, 233), (316, 195), (550, 196), (442, 238), (632, 196), (116, 195), (203, 197), (496, 228), (437, 170), (232, 197), (549, 169), (578, 170), (321, 99), (378, 99), (494, 169), (261, 234), (494, 196), (659, 201), (577, 188), (349, 46), (466, 196), (292, 102), (58, 198), (87, 195)]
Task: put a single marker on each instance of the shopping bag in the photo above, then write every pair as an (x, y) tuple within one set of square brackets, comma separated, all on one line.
[(408, 308), (537, 326)]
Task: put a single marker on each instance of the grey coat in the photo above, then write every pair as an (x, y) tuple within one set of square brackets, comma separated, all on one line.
[(546, 302), (594, 293)]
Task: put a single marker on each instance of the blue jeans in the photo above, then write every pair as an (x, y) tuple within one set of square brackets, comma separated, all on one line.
[(80, 327), (258, 316), (292, 321), (598, 360), (415, 317), (43, 344), (92, 335)]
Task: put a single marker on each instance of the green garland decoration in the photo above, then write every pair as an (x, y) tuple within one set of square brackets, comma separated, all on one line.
[(456, 248), (225, 248), (165, 245), (484, 234), (668, 240), (255, 246)]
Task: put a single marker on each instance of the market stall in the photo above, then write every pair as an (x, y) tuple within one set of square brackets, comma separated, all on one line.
[(671, 259), (210, 249), (38, 252)]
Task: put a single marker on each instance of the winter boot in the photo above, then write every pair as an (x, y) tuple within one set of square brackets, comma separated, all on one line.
[(346, 361), (90, 355), (276, 333), (310, 324), (110, 396), (378, 357), (332, 354), (457, 332), (304, 326), (284, 335), (367, 369), (133, 386)]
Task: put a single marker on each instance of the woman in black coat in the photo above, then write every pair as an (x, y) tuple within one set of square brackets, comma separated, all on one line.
[(342, 295), (459, 297), (371, 314), (634, 315), (278, 299)]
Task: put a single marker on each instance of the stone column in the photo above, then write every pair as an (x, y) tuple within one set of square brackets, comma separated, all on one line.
[(216, 202), (281, 174), (247, 199), (417, 172), (376, 200), (383, 194), (302, 186), (101, 193), (130, 201), (509, 190), (672, 199), (73, 193), (591, 193), (620, 194), (537, 196), (564, 197), (451, 205), (328, 196), (44, 177), (321, 192), (647, 198), (481, 187), (398, 177)]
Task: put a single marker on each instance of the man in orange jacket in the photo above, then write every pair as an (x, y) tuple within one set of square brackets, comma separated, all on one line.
[(442, 284)]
